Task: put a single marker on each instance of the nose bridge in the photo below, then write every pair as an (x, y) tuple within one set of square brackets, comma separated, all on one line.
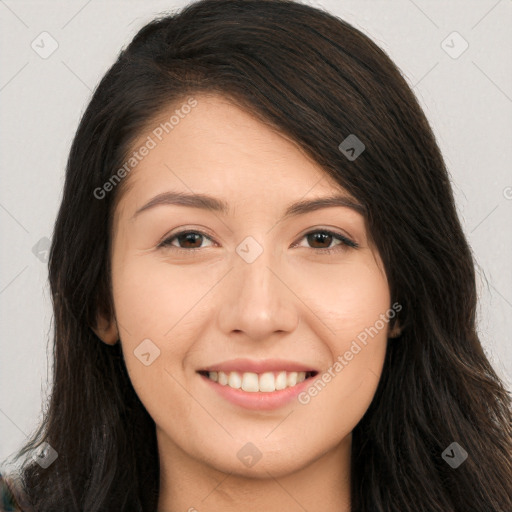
[(259, 302), (253, 266)]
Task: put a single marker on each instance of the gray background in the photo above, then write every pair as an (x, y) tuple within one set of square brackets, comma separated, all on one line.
[(467, 99)]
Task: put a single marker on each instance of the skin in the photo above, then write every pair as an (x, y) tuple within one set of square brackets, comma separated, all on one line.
[(209, 305)]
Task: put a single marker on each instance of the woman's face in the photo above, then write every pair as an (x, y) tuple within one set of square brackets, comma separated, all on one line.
[(250, 291)]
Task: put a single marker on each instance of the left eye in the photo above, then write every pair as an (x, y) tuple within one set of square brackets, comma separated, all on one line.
[(326, 236), (320, 236)]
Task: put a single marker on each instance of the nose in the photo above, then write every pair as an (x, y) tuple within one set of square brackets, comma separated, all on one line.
[(257, 300)]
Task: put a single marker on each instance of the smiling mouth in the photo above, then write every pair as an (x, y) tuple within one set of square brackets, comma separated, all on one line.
[(258, 382)]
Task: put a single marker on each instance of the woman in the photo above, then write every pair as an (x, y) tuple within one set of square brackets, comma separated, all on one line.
[(260, 369)]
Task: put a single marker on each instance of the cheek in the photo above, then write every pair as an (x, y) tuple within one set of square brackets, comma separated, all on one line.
[(354, 304), (362, 324), (155, 299), (161, 303), (347, 298)]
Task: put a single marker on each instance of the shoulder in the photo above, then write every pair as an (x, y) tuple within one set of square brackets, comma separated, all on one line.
[(10, 491)]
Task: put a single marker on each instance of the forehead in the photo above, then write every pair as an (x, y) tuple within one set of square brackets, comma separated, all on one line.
[(221, 150)]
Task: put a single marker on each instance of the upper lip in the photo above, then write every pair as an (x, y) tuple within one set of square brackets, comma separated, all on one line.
[(261, 366)]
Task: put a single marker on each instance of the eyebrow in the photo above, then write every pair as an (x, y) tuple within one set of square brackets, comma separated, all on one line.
[(210, 203)]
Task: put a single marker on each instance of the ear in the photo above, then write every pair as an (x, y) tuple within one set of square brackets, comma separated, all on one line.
[(106, 330)]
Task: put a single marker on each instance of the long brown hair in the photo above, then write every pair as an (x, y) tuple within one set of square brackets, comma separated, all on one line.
[(317, 79)]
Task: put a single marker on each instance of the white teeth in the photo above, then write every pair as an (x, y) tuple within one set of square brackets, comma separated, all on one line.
[(234, 380), (253, 382), (291, 379), (267, 382), (250, 382), (281, 380)]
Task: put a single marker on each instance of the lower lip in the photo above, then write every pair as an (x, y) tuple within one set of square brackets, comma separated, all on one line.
[(259, 401)]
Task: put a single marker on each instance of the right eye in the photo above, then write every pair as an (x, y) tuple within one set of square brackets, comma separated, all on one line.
[(186, 237)]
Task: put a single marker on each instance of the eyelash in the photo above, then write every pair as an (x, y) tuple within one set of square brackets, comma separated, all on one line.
[(344, 245)]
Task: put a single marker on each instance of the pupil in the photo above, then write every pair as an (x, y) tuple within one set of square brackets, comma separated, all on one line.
[(317, 235), (189, 237)]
